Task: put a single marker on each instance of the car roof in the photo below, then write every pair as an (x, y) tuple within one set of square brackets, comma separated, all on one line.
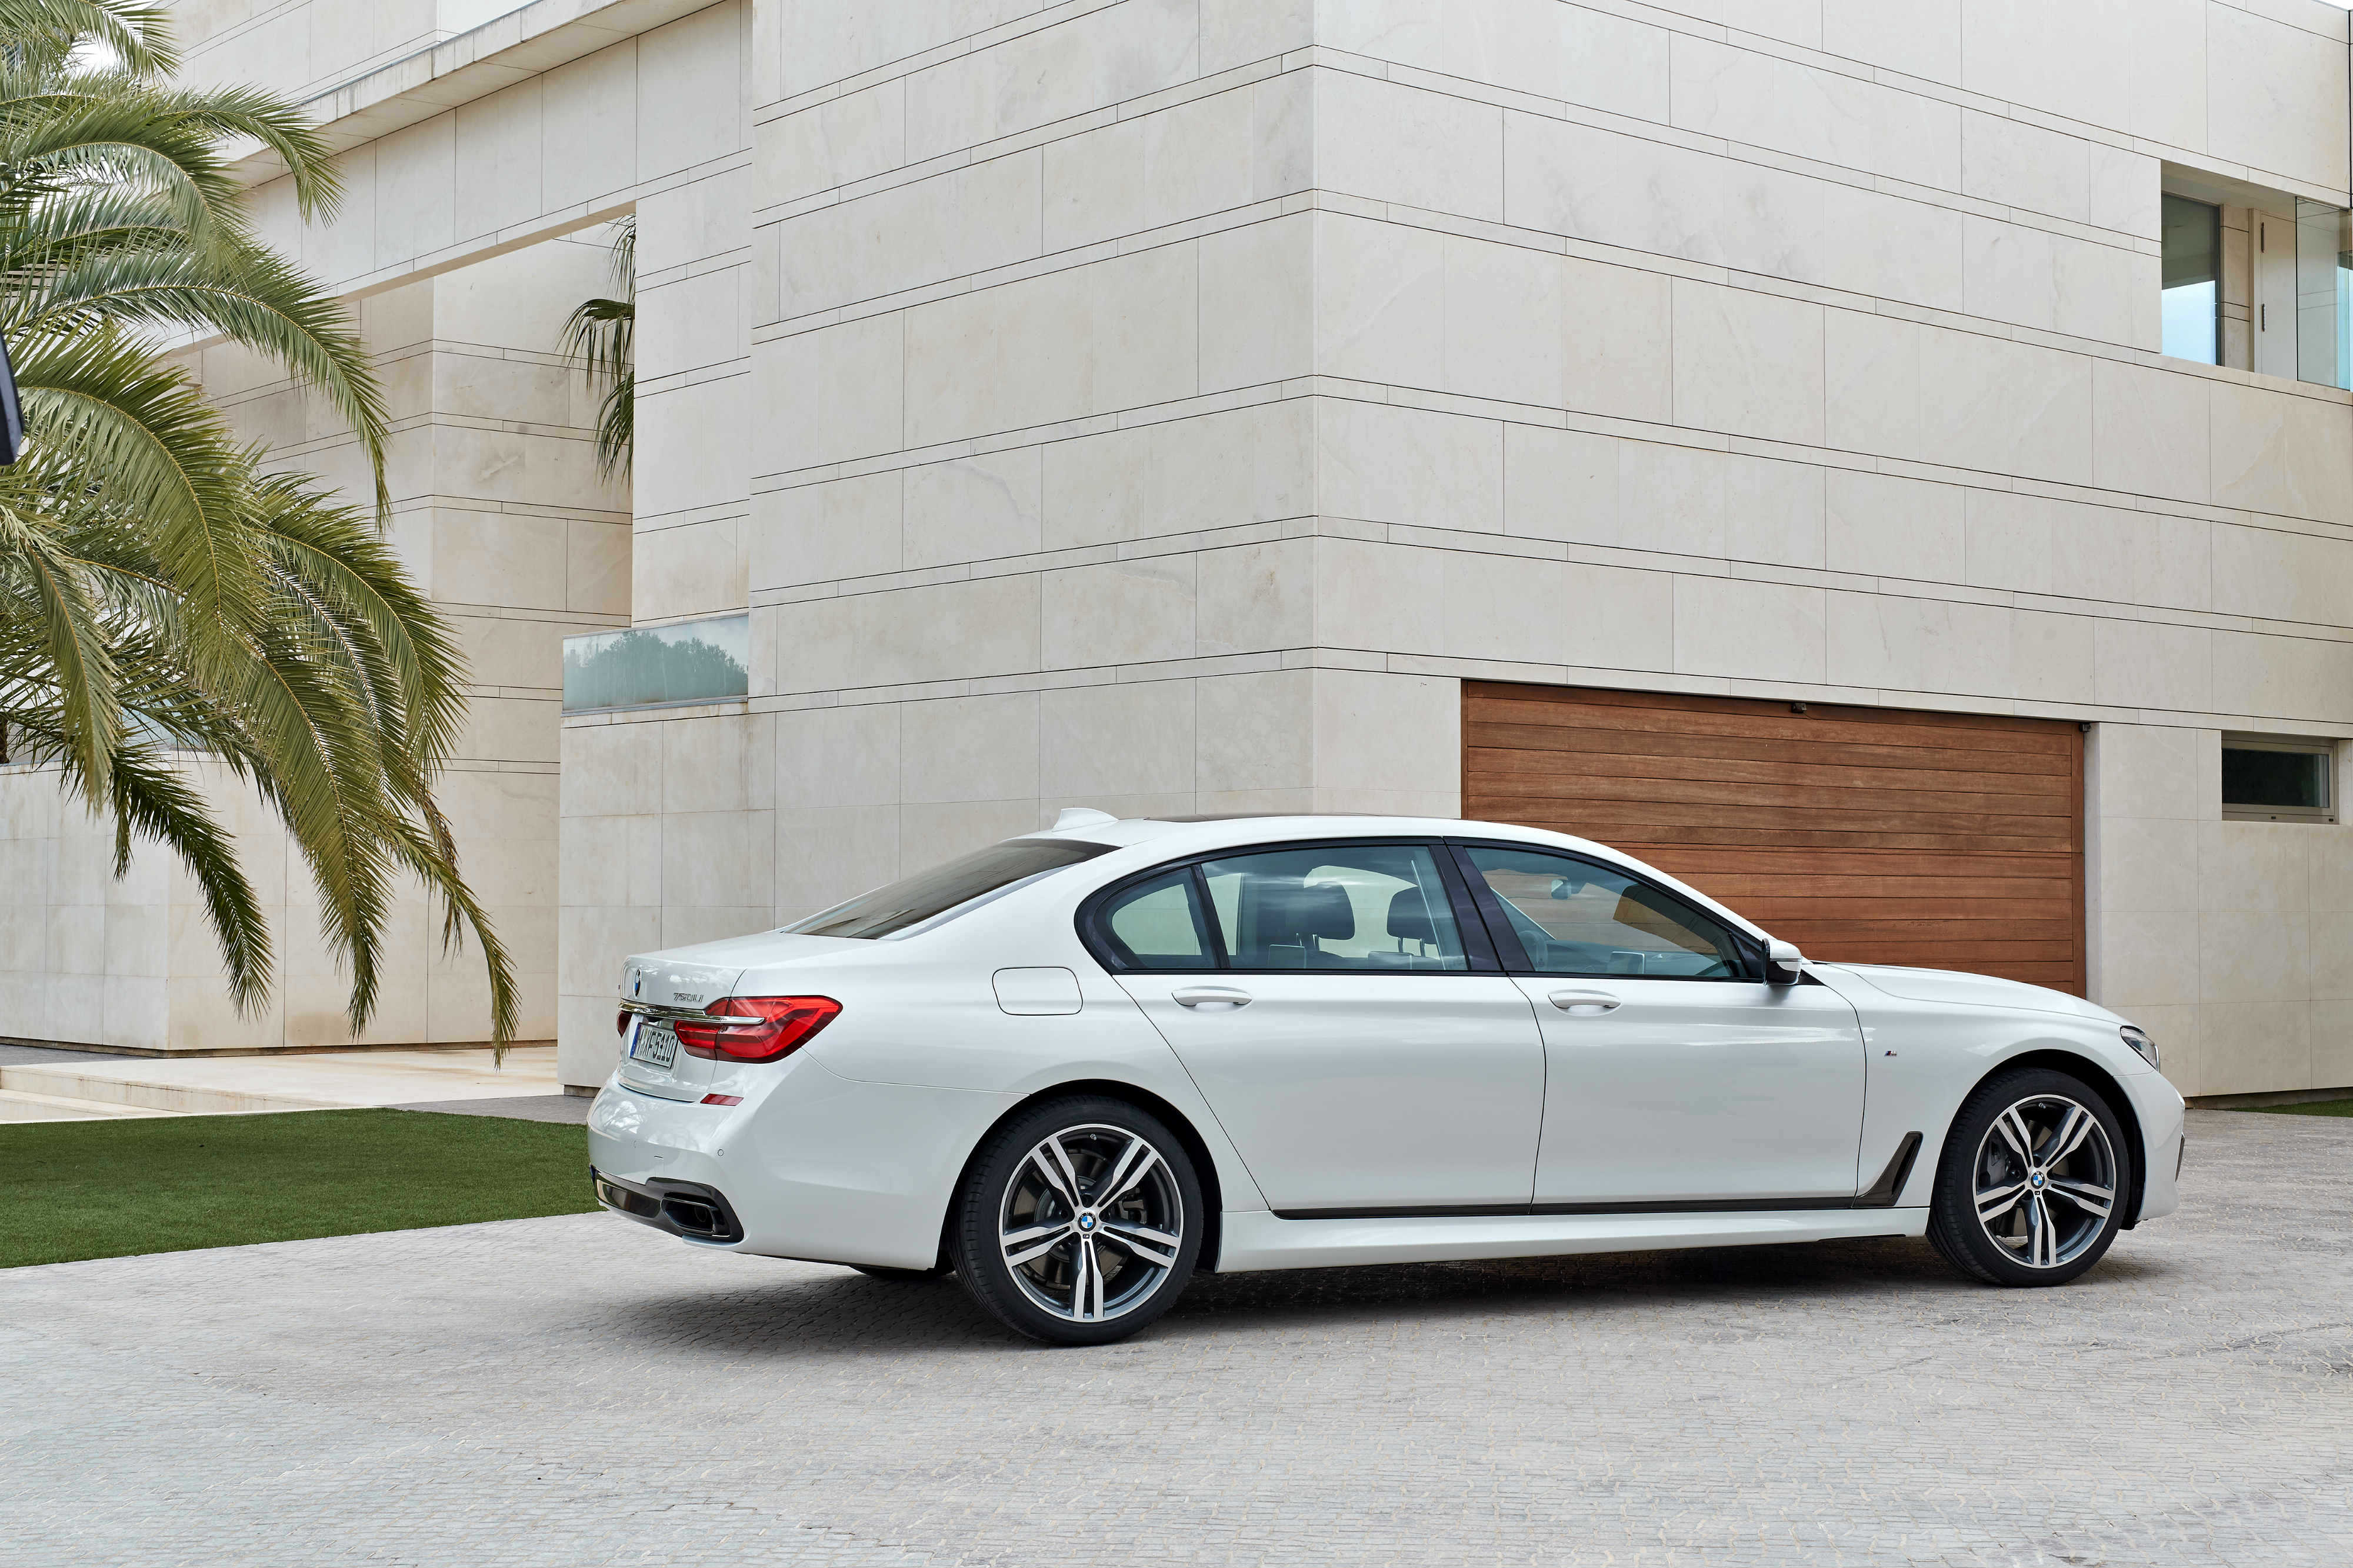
[(1172, 837), (1272, 827)]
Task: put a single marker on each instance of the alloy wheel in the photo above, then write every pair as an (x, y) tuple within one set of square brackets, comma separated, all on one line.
[(2044, 1181), (1091, 1223)]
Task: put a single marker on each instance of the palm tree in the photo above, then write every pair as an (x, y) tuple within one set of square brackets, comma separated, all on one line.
[(602, 334), (161, 591)]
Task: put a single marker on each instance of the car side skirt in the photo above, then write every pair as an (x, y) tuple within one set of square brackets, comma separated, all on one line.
[(1256, 1238)]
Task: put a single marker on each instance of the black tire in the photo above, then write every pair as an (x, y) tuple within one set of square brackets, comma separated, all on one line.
[(2045, 1224), (897, 1276), (1134, 1277)]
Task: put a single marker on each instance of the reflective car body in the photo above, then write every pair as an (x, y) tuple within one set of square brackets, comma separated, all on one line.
[(1368, 1103)]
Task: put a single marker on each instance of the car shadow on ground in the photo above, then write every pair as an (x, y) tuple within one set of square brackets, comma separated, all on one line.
[(850, 1313)]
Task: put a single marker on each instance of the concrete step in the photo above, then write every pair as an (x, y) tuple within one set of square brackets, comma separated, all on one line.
[(15, 1105), (133, 1097), (228, 1086)]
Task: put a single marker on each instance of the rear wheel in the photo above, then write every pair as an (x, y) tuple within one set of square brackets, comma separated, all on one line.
[(1079, 1221), (2031, 1188)]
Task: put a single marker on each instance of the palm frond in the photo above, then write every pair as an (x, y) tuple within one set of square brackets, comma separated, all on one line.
[(79, 664), (102, 405), (601, 333), (161, 596), (125, 137), (327, 549), (154, 801), (279, 125), (261, 302), (617, 428), (140, 36)]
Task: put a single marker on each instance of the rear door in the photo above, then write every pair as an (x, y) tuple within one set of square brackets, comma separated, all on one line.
[(1359, 1053), (1674, 1074)]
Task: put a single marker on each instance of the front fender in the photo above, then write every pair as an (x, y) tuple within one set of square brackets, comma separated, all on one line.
[(1923, 1059)]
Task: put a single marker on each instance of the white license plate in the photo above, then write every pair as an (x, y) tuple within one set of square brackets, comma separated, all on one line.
[(656, 1045)]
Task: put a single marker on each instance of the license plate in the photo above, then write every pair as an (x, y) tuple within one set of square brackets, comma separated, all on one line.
[(656, 1045)]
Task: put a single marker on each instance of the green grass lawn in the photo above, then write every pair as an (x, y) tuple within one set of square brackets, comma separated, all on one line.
[(103, 1189), (2317, 1108)]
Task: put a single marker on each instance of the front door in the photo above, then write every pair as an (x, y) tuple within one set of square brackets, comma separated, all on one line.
[(1676, 1076), (1322, 999)]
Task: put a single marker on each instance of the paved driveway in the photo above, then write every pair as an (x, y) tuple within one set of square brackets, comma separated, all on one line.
[(584, 1391)]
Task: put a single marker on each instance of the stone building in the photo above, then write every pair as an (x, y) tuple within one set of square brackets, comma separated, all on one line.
[(1887, 460)]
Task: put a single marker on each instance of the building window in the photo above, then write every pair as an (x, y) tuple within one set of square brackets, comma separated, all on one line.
[(2193, 279), (2324, 294), (2270, 780), (652, 666)]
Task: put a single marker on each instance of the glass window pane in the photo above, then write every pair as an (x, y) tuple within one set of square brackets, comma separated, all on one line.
[(1157, 925), (912, 901), (2324, 265), (1576, 918), (1359, 906), (694, 661), (2294, 781), (2193, 270)]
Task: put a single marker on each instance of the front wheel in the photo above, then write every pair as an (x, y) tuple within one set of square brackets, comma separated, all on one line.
[(2032, 1185), (1079, 1221)]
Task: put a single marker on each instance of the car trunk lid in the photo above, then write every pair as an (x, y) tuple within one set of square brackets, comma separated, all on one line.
[(652, 1060)]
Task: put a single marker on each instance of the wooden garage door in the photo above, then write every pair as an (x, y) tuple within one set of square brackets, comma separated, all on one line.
[(1873, 834)]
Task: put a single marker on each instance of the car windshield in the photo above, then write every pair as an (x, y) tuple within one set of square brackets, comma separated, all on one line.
[(912, 901)]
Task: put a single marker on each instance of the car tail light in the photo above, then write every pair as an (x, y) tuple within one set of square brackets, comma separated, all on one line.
[(772, 1028), (621, 1022)]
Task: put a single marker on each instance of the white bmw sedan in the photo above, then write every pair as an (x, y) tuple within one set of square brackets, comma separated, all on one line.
[(1080, 1064)]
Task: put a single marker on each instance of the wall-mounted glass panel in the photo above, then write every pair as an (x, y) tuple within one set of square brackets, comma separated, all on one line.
[(2193, 279), (2324, 294), (692, 661), (2267, 780)]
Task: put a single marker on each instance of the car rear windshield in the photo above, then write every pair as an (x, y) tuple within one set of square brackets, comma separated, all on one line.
[(912, 901)]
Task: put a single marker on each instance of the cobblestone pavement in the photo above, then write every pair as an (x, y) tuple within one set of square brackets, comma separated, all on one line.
[(580, 1390)]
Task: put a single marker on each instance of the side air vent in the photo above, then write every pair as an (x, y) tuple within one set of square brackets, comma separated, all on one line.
[(1883, 1193)]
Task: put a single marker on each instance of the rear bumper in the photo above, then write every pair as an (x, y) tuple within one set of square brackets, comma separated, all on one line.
[(688, 1210), (810, 1166)]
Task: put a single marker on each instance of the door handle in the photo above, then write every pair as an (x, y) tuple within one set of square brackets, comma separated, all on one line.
[(1220, 997), (1584, 1004)]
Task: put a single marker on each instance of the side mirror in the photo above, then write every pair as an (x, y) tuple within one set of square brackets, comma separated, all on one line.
[(1782, 962)]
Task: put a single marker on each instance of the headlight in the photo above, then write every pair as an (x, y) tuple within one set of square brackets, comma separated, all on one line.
[(2143, 1047)]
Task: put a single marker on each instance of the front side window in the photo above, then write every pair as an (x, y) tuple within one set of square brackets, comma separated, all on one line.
[(2266, 780), (1360, 906), (1573, 917), (2192, 270), (910, 902)]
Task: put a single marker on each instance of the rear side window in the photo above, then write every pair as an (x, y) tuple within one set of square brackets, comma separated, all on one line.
[(912, 901), (1348, 906), (1157, 924)]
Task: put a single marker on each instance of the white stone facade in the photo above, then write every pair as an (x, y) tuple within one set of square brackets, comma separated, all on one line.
[(1165, 404)]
